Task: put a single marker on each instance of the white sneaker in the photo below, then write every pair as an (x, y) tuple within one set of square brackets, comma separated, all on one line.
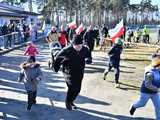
[(117, 85)]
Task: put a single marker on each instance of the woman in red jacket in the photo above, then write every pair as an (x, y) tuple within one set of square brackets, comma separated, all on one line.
[(63, 37)]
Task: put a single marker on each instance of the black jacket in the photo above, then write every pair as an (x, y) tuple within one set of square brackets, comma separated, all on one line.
[(89, 37), (73, 63), (4, 30), (114, 55)]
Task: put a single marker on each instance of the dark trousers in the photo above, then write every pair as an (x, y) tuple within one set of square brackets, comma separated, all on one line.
[(146, 38), (72, 92), (129, 39), (97, 41), (116, 70), (31, 59), (137, 39), (31, 98), (9, 41), (26, 38)]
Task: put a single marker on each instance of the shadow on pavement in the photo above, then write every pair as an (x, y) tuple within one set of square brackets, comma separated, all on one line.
[(53, 88), (46, 112)]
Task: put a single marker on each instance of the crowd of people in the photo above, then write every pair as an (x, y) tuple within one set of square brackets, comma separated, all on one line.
[(76, 51), (74, 54), (8, 31), (140, 35)]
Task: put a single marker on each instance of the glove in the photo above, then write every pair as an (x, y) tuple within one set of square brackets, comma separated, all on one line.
[(38, 78), (88, 60)]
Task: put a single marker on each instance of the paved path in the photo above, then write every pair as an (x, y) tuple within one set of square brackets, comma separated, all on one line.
[(99, 100)]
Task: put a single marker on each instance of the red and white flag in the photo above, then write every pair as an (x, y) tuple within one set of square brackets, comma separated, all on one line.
[(117, 31), (72, 25), (80, 29)]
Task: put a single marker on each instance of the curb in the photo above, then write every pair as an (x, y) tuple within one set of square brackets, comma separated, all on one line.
[(9, 50)]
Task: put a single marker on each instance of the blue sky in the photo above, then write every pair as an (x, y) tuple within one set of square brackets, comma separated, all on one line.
[(154, 2)]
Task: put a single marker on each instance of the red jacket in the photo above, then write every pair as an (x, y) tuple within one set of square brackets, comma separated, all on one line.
[(62, 38)]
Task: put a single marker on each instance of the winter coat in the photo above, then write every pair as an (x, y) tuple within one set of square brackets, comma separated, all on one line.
[(151, 81), (52, 37), (114, 55), (89, 39), (73, 63), (105, 31), (4, 30), (62, 38), (31, 51), (71, 34), (30, 74)]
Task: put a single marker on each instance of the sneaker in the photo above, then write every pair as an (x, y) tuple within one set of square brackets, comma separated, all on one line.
[(132, 110), (117, 85), (73, 105), (28, 108)]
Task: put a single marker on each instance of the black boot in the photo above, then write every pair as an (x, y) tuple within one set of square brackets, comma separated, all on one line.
[(132, 110), (117, 78), (68, 105), (30, 100)]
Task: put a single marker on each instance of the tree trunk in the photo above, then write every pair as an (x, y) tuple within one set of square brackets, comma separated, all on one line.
[(30, 6), (90, 20), (66, 16), (80, 10), (57, 22), (77, 22), (70, 14)]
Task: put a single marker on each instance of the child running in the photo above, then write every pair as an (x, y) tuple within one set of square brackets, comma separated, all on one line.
[(31, 51)]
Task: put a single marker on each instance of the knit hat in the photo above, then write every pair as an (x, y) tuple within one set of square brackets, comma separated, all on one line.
[(118, 41), (30, 43), (77, 39), (53, 29), (155, 60)]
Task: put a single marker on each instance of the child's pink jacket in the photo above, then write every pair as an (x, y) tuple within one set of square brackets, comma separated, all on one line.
[(31, 51)]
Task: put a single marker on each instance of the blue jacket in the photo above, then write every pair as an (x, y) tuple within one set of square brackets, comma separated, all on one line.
[(151, 84)]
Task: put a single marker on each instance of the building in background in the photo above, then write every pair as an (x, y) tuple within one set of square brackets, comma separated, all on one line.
[(9, 13)]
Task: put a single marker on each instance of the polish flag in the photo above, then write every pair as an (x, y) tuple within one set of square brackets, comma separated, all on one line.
[(80, 29), (72, 25), (117, 31)]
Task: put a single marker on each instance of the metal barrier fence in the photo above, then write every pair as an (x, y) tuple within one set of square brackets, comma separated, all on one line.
[(15, 38)]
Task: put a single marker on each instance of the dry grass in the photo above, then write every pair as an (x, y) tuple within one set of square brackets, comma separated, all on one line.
[(134, 60)]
